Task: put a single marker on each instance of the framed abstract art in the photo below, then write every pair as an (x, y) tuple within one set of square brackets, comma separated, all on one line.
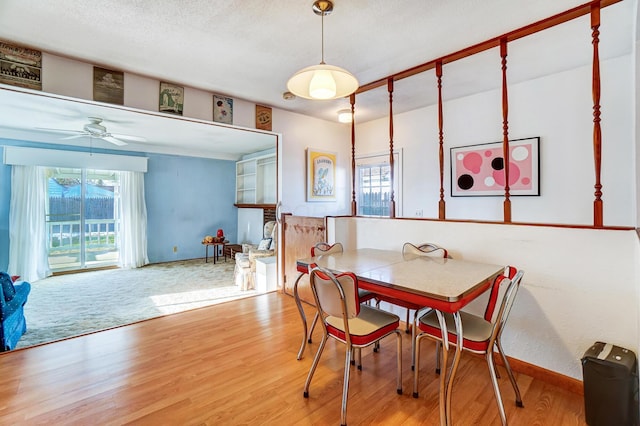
[(478, 170)]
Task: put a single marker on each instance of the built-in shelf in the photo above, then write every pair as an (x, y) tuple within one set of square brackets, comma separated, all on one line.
[(255, 206), (256, 181)]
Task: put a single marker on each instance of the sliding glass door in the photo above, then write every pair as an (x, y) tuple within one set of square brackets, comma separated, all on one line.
[(82, 218)]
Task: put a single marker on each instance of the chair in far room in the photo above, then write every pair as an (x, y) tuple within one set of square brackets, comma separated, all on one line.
[(245, 270)]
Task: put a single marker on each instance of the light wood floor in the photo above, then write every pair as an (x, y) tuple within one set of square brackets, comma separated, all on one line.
[(235, 364)]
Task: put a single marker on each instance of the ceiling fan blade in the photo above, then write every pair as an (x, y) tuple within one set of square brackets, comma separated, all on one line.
[(81, 135), (114, 140), (129, 137), (61, 130)]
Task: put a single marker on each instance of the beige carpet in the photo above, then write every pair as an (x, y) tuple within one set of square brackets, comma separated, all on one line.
[(70, 305)]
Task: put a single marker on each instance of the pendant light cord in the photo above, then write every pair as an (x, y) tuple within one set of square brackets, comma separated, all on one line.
[(322, 36)]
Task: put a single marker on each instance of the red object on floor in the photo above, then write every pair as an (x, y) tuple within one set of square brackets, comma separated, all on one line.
[(15, 278)]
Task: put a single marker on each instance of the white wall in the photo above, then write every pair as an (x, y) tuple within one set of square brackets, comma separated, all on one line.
[(579, 286), (73, 78), (558, 108), (299, 133)]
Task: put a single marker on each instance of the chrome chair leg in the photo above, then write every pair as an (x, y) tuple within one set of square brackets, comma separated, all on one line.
[(399, 360), (345, 387), (413, 338), (303, 317), (443, 377), (407, 327), (496, 388), (512, 379), (456, 360), (376, 346), (495, 367), (314, 365), (358, 357), (416, 348), (313, 326)]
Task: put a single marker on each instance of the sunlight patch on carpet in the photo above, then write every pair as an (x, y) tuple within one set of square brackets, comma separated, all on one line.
[(71, 305), (172, 303)]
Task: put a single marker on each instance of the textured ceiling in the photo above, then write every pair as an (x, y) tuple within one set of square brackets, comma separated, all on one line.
[(248, 49)]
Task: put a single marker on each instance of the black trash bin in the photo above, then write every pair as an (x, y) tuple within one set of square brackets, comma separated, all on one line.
[(610, 376)]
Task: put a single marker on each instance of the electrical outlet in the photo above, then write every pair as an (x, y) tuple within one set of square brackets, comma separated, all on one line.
[(175, 249), (419, 213)]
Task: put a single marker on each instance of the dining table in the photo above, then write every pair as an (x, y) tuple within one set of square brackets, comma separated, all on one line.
[(445, 285)]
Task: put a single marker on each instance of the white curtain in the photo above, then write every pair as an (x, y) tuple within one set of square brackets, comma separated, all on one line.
[(133, 221), (27, 224)]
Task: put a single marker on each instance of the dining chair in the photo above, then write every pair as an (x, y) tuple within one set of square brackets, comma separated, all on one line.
[(481, 335), (425, 249), (510, 272), (326, 248), (345, 319)]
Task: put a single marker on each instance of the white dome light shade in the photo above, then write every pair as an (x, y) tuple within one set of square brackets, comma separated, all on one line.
[(322, 82), (322, 85), (344, 116)]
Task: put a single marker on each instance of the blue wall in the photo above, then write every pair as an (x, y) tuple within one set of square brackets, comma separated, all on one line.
[(187, 198)]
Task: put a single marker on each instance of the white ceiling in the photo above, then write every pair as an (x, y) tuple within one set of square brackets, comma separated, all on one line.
[(249, 49)]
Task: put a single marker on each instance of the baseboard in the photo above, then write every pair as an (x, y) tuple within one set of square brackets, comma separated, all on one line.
[(553, 378), (547, 376), (78, 271)]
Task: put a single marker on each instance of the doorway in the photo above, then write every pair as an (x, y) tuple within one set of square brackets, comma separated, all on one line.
[(82, 218)]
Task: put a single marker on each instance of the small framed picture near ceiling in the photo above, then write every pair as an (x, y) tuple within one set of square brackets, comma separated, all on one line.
[(108, 86), (20, 66), (171, 98), (222, 109), (478, 170), (263, 117), (321, 175)]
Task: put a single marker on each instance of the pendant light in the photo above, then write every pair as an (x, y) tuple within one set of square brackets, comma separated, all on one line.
[(322, 81)]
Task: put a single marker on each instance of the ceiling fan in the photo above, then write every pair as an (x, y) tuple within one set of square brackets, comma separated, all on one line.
[(96, 130)]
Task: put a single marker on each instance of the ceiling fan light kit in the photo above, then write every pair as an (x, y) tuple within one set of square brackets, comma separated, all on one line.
[(322, 81), (94, 127)]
